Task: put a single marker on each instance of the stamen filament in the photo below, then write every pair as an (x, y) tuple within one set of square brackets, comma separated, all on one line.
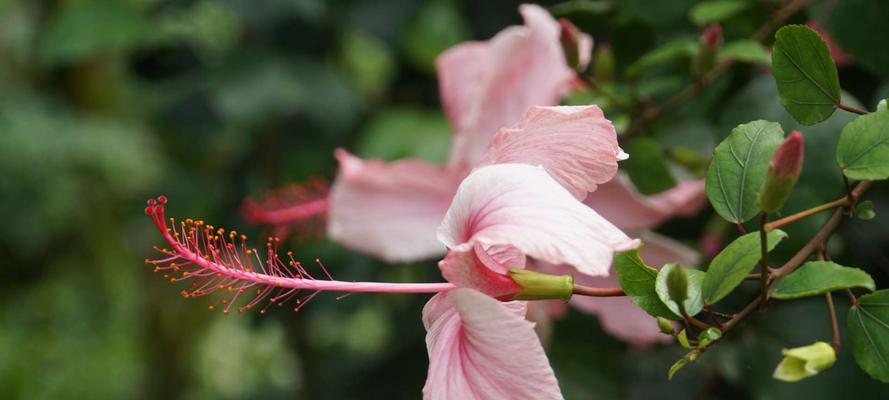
[(215, 262)]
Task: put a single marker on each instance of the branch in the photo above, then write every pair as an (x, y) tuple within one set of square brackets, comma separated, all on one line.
[(806, 213), (651, 114), (851, 109), (764, 259), (801, 256), (835, 327)]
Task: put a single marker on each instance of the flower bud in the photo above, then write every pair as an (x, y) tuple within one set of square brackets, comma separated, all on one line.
[(784, 170), (603, 63), (710, 41), (666, 326), (540, 286), (711, 38), (677, 285), (802, 362), (576, 45)]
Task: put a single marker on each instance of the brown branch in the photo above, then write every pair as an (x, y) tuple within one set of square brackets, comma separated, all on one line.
[(834, 325), (801, 256), (653, 113), (764, 259), (851, 109), (806, 213), (821, 236)]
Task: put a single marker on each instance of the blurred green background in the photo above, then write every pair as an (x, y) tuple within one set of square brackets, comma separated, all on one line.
[(106, 103)]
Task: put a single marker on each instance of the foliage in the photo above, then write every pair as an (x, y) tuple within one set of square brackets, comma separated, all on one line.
[(105, 103)]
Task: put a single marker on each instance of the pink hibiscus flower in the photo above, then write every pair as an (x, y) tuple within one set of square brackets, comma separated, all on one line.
[(391, 210), (501, 213)]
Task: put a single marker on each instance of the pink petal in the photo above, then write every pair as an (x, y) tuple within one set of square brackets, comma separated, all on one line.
[(521, 205), (480, 348), (618, 316), (658, 250), (576, 145), (472, 267), (619, 202), (488, 85), (389, 210)]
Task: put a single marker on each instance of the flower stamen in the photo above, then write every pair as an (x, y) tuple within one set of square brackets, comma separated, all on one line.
[(215, 260)]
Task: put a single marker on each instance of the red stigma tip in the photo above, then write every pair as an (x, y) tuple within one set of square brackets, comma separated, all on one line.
[(151, 202), (162, 199)]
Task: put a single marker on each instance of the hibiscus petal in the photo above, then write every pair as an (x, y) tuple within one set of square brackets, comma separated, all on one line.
[(619, 202), (480, 348), (521, 205), (488, 85), (389, 210), (472, 267), (576, 145), (658, 250)]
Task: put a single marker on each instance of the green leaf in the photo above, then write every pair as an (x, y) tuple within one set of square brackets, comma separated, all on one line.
[(729, 268), (647, 167), (819, 277), (863, 148), (708, 336), (638, 281), (368, 62), (406, 133), (676, 367), (113, 26), (682, 338), (669, 287), (865, 210), (587, 7), (868, 326), (676, 283), (717, 10), (739, 168), (437, 25), (881, 106), (669, 52), (744, 50), (682, 362), (805, 74)]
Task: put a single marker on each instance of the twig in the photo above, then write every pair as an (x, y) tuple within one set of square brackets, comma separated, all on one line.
[(712, 314), (851, 109), (594, 86), (653, 113), (820, 237), (764, 260), (835, 327), (753, 277), (852, 298), (806, 213), (697, 323)]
